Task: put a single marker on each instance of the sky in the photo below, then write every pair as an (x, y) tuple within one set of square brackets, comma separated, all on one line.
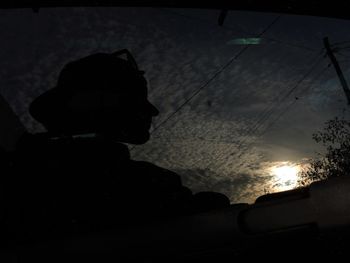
[(229, 113)]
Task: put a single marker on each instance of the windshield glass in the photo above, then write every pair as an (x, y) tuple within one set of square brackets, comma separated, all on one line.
[(238, 103)]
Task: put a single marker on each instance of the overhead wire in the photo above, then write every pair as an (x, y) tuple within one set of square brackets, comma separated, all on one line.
[(338, 49), (267, 114), (241, 160), (340, 43), (218, 72), (342, 48), (273, 122), (265, 117), (215, 75)]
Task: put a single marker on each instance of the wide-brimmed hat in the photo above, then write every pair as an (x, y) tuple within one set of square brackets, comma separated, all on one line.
[(100, 71)]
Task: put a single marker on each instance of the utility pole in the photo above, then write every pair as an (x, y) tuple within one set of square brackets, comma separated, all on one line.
[(337, 69)]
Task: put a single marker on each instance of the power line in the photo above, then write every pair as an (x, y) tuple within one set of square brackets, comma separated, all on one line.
[(342, 55), (342, 48), (268, 112), (209, 81), (286, 109), (344, 61), (200, 89), (337, 50), (212, 78), (340, 43), (294, 101)]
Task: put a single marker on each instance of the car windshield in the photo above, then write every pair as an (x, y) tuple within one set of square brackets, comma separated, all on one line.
[(238, 102)]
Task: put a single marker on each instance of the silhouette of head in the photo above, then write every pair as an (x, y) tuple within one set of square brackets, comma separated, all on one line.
[(101, 93)]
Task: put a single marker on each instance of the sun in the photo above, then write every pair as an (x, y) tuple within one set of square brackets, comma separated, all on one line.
[(285, 175), (286, 172)]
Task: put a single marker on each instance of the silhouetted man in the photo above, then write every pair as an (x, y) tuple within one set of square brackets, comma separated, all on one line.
[(78, 176)]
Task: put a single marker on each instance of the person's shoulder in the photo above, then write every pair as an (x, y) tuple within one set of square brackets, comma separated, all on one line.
[(157, 173), (151, 167)]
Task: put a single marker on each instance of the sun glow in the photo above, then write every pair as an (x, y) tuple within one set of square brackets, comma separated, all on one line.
[(285, 175)]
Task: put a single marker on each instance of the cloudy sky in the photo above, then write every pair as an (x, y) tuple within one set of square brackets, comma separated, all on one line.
[(241, 110)]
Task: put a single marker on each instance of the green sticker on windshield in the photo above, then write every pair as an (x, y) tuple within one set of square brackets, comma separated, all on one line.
[(245, 41)]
